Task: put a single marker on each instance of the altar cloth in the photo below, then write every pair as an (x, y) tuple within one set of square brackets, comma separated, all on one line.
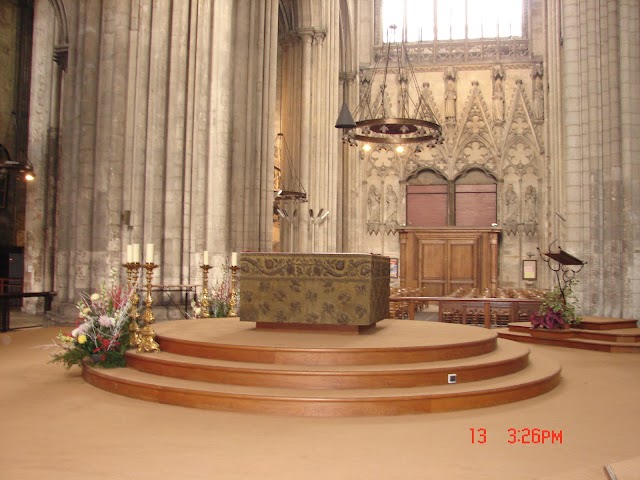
[(349, 289)]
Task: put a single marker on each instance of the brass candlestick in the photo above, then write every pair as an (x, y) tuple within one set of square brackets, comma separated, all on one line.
[(132, 283), (233, 301), (147, 341), (204, 303)]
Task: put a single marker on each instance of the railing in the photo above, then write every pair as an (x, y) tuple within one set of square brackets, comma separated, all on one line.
[(12, 285), (485, 311), (165, 296), (7, 298)]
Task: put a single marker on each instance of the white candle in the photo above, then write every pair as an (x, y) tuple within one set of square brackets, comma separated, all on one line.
[(234, 259), (129, 253), (205, 257), (135, 249), (149, 254)]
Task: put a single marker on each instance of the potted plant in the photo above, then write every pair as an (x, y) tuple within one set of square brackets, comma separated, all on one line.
[(558, 309)]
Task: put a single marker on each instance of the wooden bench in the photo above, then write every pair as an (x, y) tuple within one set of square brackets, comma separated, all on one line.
[(480, 311), (5, 305)]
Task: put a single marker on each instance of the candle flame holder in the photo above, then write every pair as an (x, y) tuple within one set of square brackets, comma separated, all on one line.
[(233, 301), (132, 283), (205, 304), (147, 341)]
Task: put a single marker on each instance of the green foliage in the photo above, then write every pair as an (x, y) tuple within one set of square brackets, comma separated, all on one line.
[(558, 308)]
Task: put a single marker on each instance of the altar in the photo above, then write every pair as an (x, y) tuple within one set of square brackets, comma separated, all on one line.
[(331, 291)]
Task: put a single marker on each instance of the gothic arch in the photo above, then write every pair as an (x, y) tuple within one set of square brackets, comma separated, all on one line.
[(287, 16), (432, 172), (473, 169), (61, 17)]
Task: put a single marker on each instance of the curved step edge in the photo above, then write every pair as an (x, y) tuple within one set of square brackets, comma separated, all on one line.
[(344, 379), (325, 407), (327, 356)]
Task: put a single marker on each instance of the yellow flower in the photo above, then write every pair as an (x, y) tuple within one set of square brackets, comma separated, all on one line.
[(86, 310), (82, 339)]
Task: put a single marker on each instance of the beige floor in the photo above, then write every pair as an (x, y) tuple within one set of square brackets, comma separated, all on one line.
[(55, 426)]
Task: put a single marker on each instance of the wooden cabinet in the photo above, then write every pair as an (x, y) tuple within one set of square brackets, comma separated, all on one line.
[(441, 260)]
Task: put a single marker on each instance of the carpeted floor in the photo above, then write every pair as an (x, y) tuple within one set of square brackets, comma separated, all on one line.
[(55, 426)]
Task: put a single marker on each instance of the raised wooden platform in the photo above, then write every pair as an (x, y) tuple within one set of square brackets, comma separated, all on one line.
[(397, 367), (595, 333)]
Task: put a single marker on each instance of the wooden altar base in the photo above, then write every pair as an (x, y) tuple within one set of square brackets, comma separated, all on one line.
[(313, 327), (397, 367), (595, 333)]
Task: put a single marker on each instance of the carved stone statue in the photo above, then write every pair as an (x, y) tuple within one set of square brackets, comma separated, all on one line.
[(392, 205), (373, 204), (511, 203), (450, 100), (531, 204), (538, 98), (498, 100)]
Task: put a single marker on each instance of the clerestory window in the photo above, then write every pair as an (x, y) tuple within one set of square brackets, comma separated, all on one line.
[(429, 20)]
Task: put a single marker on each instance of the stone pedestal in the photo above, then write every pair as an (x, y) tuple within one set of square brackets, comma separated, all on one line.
[(314, 291)]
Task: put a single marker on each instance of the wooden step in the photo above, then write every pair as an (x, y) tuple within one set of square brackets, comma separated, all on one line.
[(400, 366), (575, 342), (508, 357), (538, 377), (408, 342), (607, 323), (612, 340)]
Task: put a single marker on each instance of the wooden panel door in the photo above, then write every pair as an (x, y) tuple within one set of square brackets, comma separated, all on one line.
[(442, 260), (463, 261), (433, 263)]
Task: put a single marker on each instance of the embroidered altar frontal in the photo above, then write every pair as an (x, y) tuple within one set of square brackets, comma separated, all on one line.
[(303, 288)]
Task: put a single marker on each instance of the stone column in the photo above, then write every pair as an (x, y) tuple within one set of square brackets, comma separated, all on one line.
[(629, 56), (254, 91), (305, 224), (595, 187)]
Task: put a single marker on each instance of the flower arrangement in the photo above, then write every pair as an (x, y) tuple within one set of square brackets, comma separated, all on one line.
[(102, 332), (557, 310), (219, 298)]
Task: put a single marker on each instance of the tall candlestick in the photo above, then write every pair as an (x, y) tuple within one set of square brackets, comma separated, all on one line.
[(129, 253), (234, 259), (147, 335), (205, 258), (135, 249), (233, 301), (148, 258)]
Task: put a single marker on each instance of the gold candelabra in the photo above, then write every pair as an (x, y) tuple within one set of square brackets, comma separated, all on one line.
[(147, 340), (132, 283), (204, 303), (233, 301)]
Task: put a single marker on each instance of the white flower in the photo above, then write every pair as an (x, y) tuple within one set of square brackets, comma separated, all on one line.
[(106, 321), (197, 311), (82, 328), (95, 297)]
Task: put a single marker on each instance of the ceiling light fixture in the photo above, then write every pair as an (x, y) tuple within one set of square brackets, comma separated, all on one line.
[(374, 121)]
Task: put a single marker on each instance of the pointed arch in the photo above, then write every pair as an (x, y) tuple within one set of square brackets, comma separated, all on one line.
[(61, 17), (427, 176)]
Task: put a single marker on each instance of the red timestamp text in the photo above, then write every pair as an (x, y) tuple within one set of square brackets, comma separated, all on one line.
[(520, 436)]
